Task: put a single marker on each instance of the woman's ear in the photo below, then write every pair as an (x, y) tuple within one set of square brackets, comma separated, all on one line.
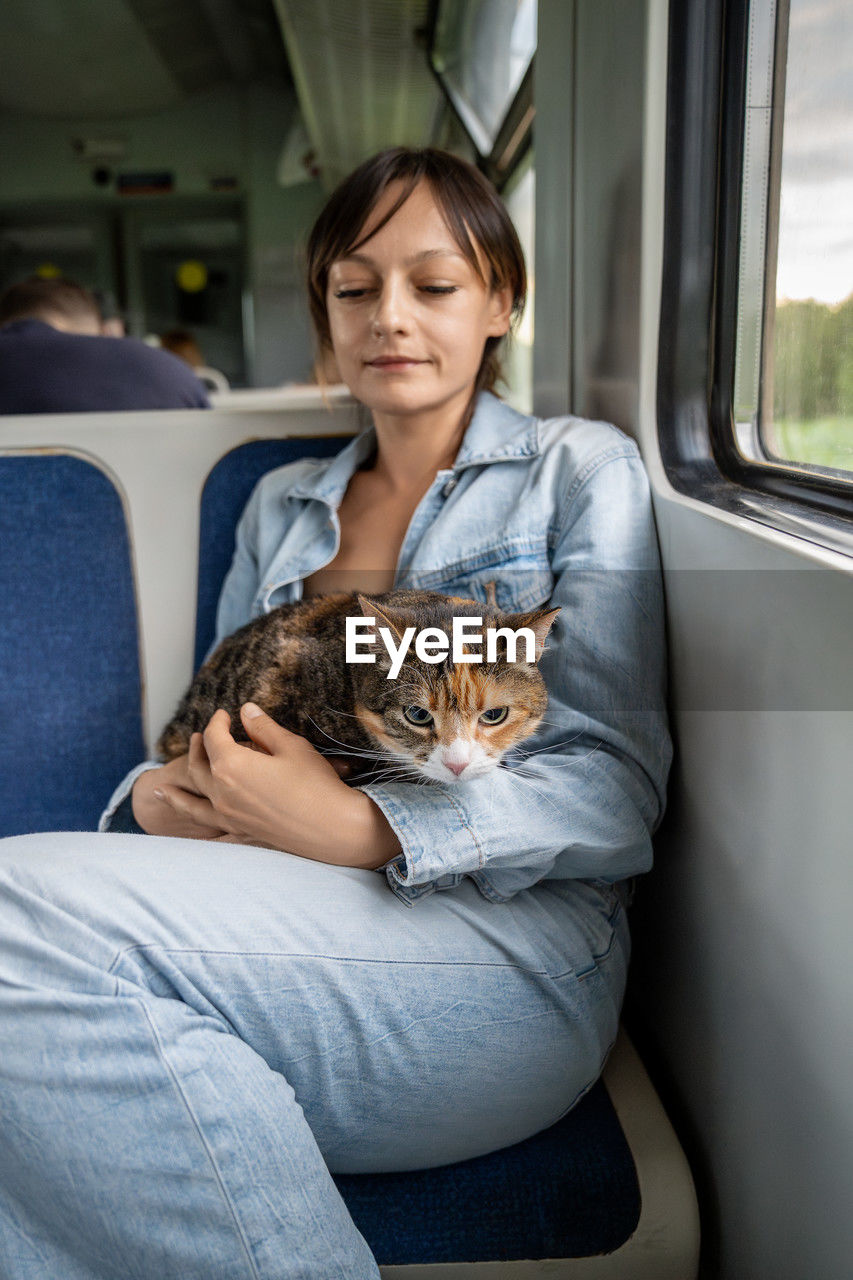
[(500, 311)]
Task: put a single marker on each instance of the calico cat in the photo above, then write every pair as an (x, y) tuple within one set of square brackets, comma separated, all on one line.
[(438, 721)]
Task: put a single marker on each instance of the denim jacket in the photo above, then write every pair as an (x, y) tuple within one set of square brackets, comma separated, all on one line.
[(555, 510)]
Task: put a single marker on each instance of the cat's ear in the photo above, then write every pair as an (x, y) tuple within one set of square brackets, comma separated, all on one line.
[(539, 621), (368, 609), (372, 610)]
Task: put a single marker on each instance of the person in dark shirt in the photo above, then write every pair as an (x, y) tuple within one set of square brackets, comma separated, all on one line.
[(54, 358)]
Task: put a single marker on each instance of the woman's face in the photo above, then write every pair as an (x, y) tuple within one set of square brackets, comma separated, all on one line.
[(408, 314)]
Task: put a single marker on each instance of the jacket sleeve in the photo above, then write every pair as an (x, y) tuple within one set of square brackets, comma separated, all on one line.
[(581, 798)]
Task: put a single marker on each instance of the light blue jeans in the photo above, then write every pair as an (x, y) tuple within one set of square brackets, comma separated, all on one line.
[(193, 1034)]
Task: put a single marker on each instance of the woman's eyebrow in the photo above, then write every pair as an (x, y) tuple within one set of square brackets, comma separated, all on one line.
[(365, 260)]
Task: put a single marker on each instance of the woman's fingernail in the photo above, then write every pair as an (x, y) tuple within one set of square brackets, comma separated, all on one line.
[(161, 795), (251, 710)]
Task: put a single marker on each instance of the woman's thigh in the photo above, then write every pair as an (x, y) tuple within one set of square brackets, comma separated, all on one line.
[(411, 1036)]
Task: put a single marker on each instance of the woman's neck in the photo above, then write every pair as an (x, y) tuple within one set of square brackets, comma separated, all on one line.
[(412, 448)]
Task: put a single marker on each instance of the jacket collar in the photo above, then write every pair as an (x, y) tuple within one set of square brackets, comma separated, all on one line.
[(496, 433)]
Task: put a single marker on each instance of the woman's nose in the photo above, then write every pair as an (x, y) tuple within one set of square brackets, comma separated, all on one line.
[(391, 314)]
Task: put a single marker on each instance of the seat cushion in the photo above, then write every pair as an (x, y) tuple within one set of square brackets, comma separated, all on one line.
[(568, 1192), (226, 492), (70, 699)]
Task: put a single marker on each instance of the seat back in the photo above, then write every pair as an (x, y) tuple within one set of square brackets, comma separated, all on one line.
[(225, 494), (70, 690)]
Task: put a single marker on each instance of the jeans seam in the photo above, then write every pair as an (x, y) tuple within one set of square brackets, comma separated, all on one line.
[(205, 1144), (586, 1089), (320, 955), (581, 974)]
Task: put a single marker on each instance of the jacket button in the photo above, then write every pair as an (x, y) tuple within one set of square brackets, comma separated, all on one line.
[(448, 488)]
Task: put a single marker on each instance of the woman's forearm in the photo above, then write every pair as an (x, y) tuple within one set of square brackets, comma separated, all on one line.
[(371, 841)]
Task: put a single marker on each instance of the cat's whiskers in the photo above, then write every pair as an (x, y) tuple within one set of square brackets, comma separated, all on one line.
[(348, 749), (550, 746), (524, 779), (336, 711), (559, 724), (570, 763), (397, 768)]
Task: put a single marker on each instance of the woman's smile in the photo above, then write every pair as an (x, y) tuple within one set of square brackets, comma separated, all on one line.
[(394, 363)]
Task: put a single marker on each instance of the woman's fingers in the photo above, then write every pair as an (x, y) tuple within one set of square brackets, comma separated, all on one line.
[(197, 757), (217, 736), (264, 732), (199, 767), (201, 821)]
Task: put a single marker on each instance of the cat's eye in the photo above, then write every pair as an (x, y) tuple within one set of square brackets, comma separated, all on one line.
[(417, 715), (494, 715)]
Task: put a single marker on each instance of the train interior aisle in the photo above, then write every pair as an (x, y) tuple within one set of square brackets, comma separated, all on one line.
[(670, 170)]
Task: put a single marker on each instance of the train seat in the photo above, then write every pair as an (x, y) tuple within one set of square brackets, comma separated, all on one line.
[(226, 492), (70, 690), (605, 1193)]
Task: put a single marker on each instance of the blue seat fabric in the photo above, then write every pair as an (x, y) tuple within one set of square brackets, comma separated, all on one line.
[(226, 492), (70, 690), (568, 1192)]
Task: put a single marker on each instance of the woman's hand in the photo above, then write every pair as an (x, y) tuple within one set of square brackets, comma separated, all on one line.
[(284, 795), (156, 815)]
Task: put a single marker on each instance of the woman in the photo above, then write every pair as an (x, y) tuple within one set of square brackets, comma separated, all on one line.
[(196, 1031)]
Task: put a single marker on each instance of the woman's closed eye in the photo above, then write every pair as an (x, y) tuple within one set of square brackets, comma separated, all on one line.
[(362, 291)]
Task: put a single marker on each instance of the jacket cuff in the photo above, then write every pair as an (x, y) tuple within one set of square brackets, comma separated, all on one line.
[(436, 840), (123, 790)]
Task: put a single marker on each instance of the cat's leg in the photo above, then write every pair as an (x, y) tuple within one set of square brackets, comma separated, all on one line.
[(191, 1029)]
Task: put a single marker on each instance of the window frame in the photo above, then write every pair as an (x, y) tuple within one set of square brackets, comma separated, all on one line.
[(706, 100), (514, 138)]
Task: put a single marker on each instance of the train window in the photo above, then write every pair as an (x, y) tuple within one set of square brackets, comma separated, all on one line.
[(481, 52), (755, 359), (793, 397)]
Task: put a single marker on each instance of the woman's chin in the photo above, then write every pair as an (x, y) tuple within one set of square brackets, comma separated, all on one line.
[(407, 400)]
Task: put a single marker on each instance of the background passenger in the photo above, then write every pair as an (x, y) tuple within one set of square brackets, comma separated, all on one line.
[(182, 344), (55, 358)]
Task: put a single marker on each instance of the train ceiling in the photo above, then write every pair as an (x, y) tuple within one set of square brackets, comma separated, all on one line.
[(358, 66), (361, 75)]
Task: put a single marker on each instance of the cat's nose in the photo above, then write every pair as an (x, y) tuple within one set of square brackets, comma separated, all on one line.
[(456, 766)]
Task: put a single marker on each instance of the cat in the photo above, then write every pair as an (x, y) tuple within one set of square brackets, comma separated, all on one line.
[(439, 721)]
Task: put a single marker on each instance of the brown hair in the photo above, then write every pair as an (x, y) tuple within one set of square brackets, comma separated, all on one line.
[(181, 343), (39, 299), (475, 216)]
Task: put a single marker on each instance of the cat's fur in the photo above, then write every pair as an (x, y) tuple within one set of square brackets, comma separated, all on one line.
[(291, 662)]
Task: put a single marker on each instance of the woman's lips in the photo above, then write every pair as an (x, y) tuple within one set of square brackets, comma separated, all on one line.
[(394, 362)]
